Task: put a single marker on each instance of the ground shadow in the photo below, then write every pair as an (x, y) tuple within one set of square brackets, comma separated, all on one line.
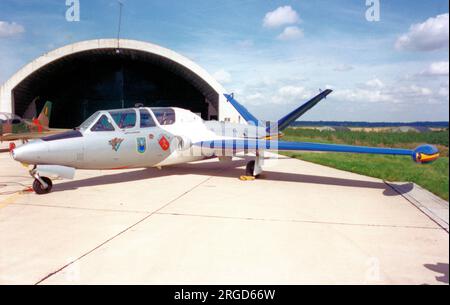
[(440, 268), (228, 170)]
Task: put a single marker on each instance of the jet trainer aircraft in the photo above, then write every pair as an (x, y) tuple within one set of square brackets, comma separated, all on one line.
[(156, 137), (13, 127)]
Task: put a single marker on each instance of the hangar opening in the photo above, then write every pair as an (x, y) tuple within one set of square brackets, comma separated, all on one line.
[(81, 82)]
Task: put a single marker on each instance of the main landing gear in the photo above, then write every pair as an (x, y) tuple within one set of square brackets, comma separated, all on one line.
[(41, 185), (254, 168), (250, 169)]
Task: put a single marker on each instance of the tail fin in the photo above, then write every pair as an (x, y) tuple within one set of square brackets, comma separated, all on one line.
[(44, 116), (250, 118), (294, 115)]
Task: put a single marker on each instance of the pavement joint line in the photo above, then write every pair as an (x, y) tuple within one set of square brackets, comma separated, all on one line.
[(84, 209), (430, 213), (123, 231), (297, 221)]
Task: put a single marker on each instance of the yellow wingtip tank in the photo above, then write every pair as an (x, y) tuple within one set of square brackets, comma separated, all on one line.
[(426, 154)]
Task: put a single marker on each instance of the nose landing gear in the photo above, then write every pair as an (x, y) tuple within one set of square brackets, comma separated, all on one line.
[(41, 185)]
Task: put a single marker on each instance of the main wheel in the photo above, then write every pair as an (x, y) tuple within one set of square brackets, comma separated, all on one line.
[(39, 189), (250, 169)]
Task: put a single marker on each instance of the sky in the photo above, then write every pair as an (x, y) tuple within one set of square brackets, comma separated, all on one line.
[(272, 54)]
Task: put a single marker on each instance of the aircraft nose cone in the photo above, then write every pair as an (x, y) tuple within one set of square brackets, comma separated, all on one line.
[(30, 153)]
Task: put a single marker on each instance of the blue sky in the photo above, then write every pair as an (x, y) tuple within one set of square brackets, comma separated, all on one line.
[(272, 54)]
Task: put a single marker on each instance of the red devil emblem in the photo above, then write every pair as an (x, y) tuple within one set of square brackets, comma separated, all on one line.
[(165, 145)]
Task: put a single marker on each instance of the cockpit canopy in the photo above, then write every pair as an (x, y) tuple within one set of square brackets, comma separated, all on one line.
[(9, 118), (165, 116), (122, 119)]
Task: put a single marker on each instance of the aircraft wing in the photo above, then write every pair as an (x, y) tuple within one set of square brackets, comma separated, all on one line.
[(422, 154), (29, 135)]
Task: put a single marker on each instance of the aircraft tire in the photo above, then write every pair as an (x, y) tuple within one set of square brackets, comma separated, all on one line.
[(250, 169), (38, 189)]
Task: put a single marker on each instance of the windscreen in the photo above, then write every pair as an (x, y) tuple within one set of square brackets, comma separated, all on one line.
[(85, 125), (103, 124)]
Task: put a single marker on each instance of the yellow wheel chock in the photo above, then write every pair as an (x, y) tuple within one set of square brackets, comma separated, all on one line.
[(247, 178)]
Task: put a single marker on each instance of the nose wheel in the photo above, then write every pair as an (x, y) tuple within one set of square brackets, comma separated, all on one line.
[(41, 185), (40, 188)]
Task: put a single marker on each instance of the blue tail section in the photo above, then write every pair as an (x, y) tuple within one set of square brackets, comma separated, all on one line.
[(286, 120), (294, 115), (250, 118)]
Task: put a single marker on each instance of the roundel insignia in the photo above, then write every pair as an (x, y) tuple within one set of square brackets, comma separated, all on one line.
[(164, 143)]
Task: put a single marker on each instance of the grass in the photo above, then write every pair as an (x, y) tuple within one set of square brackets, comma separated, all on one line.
[(380, 139), (433, 177)]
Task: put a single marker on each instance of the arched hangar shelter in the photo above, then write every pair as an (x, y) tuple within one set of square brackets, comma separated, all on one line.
[(87, 76)]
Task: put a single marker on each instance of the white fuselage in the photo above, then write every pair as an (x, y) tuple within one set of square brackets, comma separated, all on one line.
[(138, 144)]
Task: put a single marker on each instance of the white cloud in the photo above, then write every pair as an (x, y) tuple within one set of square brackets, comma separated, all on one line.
[(222, 76), (430, 35), (281, 16), (287, 95), (343, 68), (258, 76), (444, 91), (363, 95), (291, 33), (440, 68), (378, 92), (8, 29), (375, 83), (293, 92), (255, 98), (415, 90)]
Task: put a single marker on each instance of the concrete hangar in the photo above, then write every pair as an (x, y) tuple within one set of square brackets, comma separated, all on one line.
[(87, 76)]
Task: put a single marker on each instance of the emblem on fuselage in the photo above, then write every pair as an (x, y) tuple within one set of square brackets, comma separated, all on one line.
[(164, 143), (115, 143), (141, 145)]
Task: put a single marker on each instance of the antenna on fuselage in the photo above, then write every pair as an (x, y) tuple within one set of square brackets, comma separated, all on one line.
[(119, 26)]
